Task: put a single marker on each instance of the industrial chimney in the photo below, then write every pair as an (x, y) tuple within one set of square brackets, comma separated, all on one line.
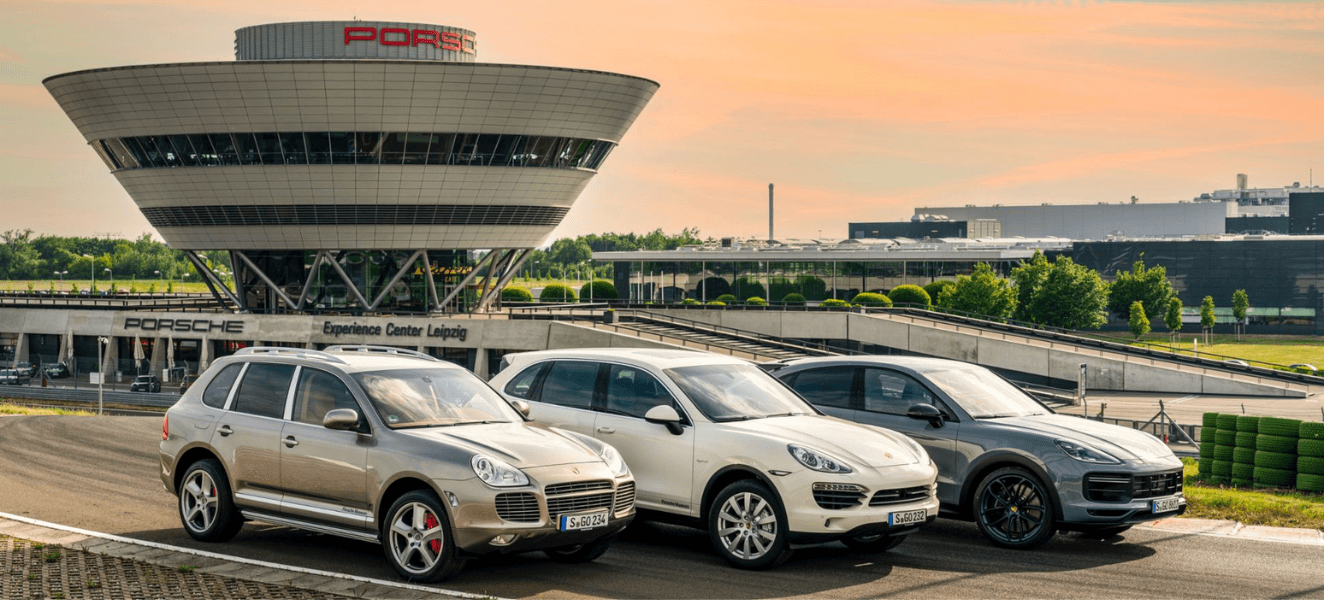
[(770, 236)]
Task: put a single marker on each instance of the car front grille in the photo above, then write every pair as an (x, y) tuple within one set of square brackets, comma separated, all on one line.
[(519, 507), (1157, 485), (837, 496), (576, 504), (900, 495), (1124, 487), (558, 489), (624, 498)]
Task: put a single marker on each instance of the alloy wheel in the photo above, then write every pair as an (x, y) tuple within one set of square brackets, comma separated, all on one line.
[(198, 501), (1012, 508), (747, 525), (416, 538)]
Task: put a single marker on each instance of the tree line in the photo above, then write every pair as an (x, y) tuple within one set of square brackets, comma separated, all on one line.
[(24, 255)]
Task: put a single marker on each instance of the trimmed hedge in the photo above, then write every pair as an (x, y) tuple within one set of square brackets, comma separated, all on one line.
[(726, 298), (1209, 419), (1222, 468), (557, 292), (910, 294), (1310, 483), (793, 299), (1310, 465), (756, 301), (516, 293), (1225, 438), (1245, 439), (871, 299), (1250, 424), (1206, 466), (1273, 443), (834, 302), (1274, 477), (1226, 453), (1280, 427), (1311, 430), (1243, 456), (601, 289), (1227, 421), (1310, 447), (1275, 460), (715, 303), (1244, 472)]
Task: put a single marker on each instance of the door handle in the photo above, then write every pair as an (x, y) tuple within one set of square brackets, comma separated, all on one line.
[(606, 430), (290, 442), (225, 430)]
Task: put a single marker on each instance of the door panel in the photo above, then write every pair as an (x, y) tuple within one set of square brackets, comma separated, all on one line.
[(661, 461), (324, 471), (248, 435), (887, 395)]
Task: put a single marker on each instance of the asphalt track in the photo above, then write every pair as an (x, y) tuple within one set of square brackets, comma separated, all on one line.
[(100, 474)]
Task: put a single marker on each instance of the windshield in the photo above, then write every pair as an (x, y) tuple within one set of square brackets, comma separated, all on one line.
[(433, 398), (985, 395), (737, 392)]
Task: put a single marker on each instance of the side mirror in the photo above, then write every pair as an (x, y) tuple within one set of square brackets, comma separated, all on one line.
[(665, 415), (522, 406), (341, 418), (926, 412)]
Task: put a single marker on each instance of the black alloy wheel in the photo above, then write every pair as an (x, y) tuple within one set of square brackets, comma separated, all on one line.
[(1014, 510)]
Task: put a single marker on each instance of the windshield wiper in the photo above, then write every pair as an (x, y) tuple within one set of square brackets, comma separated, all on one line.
[(785, 414), (998, 416), (444, 424)]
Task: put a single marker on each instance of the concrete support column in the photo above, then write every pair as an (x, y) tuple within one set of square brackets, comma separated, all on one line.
[(21, 348), (480, 363), (204, 355), (157, 359)]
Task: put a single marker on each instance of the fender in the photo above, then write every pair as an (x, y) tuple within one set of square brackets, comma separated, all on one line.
[(709, 489), (1007, 456)]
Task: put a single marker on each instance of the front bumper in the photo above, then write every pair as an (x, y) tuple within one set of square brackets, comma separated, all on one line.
[(811, 523), (1083, 509)]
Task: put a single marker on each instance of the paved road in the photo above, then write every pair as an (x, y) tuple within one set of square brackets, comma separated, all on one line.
[(100, 474), (1188, 408)]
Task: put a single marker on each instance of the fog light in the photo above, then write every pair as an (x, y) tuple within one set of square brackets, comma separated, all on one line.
[(455, 502), (504, 540)]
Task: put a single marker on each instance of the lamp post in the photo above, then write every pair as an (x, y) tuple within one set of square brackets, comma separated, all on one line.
[(112, 279), (61, 274), (101, 374), (92, 266)]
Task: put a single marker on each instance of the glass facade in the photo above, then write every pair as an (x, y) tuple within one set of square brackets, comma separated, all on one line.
[(370, 270), (353, 214), (351, 148)]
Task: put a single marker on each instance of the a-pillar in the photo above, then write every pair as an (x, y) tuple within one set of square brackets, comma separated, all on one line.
[(480, 363)]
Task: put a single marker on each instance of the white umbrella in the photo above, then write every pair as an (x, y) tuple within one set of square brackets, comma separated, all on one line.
[(204, 355), (137, 354), (68, 357), (170, 353)]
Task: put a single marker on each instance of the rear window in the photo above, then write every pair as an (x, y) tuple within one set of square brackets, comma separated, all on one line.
[(219, 389), (570, 383)]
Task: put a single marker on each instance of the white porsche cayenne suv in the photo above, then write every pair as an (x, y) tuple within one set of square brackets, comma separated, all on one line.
[(717, 443)]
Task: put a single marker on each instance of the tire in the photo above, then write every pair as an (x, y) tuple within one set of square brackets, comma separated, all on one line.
[(1311, 430), (1208, 434), (1242, 482), (1225, 438), (1308, 447), (1205, 467), (1309, 465), (1242, 472), (1310, 483), (417, 539), (1014, 509), (1222, 468), (1243, 456), (1274, 443), (1274, 477), (1210, 420), (1207, 450), (1227, 422), (1245, 440), (1217, 480), (1248, 424), (206, 506), (1280, 427), (1104, 533), (743, 515), (1224, 453), (1276, 460), (580, 553), (873, 544)]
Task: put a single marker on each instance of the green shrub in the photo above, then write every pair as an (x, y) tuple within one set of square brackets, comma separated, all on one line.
[(601, 290), (1311, 430), (726, 299), (1274, 477), (1248, 424), (557, 292), (1227, 421), (1245, 439), (834, 302), (756, 301), (516, 293), (689, 302), (871, 299), (793, 299), (910, 294), (1280, 427), (936, 288), (1276, 460), (1244, 456), (746, 288), (715, 303), (1274, 443), (1313, 465), (1306, 447)]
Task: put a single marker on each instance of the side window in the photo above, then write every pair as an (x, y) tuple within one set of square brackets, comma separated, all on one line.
[(829, 386), (633, 392), (522, 384), (319, 393), (263, 389), (219, 389), (570, 383), (892, 393)]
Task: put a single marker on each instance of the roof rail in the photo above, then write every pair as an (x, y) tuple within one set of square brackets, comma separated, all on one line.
[(383, 350), (295, 352)]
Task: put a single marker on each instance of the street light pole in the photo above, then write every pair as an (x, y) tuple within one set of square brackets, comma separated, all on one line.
[(101, 375)]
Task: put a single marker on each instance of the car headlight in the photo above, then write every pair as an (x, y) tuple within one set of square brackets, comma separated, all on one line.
[(817, 460), (498, 473), (614, 461), (1088, 454)]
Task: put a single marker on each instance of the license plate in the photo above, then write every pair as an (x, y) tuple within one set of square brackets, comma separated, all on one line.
[(1163, 505), (584, 521), (909, 517)]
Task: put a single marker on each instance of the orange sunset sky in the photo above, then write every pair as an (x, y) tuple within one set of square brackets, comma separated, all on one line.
[(857, 110)]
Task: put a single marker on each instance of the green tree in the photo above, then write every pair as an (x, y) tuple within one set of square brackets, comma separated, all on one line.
[(1172, 318), (1207, 315), (1240, 304), (910, 294), (871, 299), (570, 252), (1062, 294), (746, 288), (1147, 286), (935, 289), (1137, 320), (981, 293), (170, 286)]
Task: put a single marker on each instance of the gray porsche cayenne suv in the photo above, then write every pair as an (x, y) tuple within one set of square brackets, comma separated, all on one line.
[(1005, 460)]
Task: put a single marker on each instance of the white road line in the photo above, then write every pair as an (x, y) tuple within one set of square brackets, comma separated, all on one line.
[(247, 561), (1180, 400)]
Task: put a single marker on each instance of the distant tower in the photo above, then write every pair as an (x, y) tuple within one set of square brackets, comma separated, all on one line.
[(1242, 181), (770, 236)]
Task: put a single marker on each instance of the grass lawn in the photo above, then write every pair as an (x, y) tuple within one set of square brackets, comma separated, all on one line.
[(1286, 508), (1282, 350), (14, 409)]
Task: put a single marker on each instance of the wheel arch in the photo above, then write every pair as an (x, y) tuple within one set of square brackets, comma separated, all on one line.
[(403, 484), (992, 461), (191, 455), (728, 475)]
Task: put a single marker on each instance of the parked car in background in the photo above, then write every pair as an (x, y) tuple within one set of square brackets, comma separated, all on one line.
[(145, 383), (27, 369), (14, 377), (58, 370), (1004, 460), (187, 382), (718, 444), (388, 446)]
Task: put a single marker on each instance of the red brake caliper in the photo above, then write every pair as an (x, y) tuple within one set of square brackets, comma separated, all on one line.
[(431, 522)]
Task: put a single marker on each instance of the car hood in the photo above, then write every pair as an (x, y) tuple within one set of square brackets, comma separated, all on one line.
[(523, 445), (1122, 442), (850, 442)]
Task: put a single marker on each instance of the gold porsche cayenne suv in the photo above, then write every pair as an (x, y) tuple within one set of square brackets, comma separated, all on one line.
[(389, 446)]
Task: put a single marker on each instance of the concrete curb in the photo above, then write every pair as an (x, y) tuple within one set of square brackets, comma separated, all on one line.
[(1233, 529), (246, 569)]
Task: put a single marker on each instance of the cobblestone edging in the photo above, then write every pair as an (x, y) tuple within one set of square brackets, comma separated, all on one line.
[(135, 569)]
